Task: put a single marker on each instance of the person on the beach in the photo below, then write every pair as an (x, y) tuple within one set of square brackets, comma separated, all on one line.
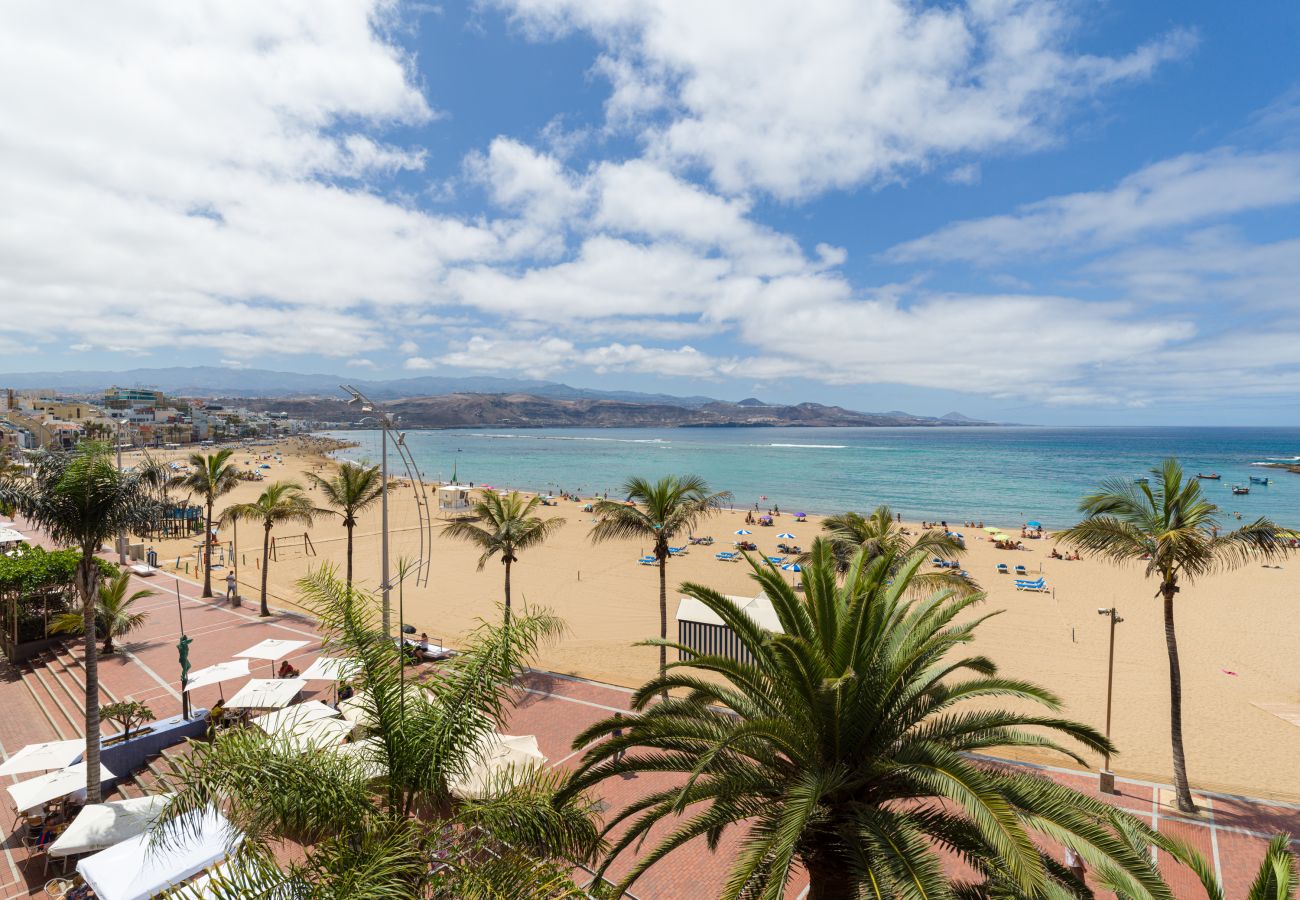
[(424, 642), (232, 587), (618, 733)]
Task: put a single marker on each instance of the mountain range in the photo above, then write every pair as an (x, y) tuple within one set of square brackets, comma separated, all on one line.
[(465, 402)]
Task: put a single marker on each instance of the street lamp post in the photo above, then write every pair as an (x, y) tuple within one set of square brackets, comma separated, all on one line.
[(385, 422), (1107, 777), (121, 535)]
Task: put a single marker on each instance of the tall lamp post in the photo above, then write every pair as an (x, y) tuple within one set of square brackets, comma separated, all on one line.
[(121, 535), (385, 423), (1107, 777)]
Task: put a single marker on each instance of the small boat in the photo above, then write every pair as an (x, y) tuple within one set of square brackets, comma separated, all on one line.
[(1240, 489), (1213, 476), (1141, 480), (1257, 479)]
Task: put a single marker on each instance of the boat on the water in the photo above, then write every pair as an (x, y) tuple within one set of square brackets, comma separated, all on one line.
[(1259, 479), (1141, 480), (1240, 489), (1213, 476)]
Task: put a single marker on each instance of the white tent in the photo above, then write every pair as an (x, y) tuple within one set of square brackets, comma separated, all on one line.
[(298, 714), (43, 757), (137, 868), (328, 668), (36, 792), (222, 671), (498, 754), (102, 825), (266, 693)]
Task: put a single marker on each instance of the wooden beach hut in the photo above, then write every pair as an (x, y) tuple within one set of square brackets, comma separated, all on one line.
[(700, 629)]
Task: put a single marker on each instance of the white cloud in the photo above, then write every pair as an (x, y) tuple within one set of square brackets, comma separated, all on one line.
[(361, 363), (545, 356), (1176, 192), (796, 99)]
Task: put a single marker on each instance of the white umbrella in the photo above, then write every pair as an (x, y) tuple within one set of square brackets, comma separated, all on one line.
[(36, 792), (222, 671), (285, 720), (744, 532), (327, 668), (272, 649), (102, 825), (317, 733), (786, 536), (496, 755), (266, 693), (137, 869), (43, 757), (356, 710)]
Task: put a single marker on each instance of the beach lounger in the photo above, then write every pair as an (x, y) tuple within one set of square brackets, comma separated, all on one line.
[(1002, 569), (1039, 585), (776, 560), (726, 556), (1021, 570), (647, 560), (939, 563), (677, 551)]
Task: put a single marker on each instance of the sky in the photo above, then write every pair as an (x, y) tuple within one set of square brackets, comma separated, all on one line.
[(1025, 210)]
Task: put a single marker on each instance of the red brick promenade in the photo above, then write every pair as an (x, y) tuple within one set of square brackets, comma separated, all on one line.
[(41, 702)]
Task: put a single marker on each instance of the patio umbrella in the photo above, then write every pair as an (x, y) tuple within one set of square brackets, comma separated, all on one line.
[(1033, 523), (786, 536), (43, 757), (743, 532), (991, 529), (792, 567)]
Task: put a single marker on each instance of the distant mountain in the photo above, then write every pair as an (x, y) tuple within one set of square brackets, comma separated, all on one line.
[(518, 410), (957, 418), (210, 381)]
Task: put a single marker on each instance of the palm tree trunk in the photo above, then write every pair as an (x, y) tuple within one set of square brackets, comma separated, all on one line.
[(266, 561), (1184, 793), (830, 878), (207, 551), (663, 618), (89, 577), (507, 562), (349, 578)]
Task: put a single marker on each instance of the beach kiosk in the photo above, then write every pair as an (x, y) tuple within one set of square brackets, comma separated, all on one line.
[(700, 629), (453, 499)]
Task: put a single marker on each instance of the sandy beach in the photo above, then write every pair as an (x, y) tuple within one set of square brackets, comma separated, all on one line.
[(1238, 632)]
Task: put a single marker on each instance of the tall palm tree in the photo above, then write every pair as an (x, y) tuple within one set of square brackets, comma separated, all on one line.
[(282, 501), (880, 534), (213, 475), (81, 500), (508, 528), (1171, 529), (664, 511), (351, 491), (841, 747), (113, 615), (371, 817)]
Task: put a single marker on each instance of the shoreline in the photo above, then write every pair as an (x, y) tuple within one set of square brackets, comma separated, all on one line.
[(1239, 623)]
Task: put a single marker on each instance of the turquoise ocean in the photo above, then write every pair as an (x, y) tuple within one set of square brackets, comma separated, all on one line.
[(1002, 475)]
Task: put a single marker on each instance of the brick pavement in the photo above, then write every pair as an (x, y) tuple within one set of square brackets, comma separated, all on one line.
[(1232, 832)]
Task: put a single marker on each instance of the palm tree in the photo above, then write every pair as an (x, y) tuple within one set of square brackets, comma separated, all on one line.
[(508, 528), (351, 491), (663, 511), (81, 500), (371, 818), (113, 616), (213, 475), (1173, 531), (842, 746), (879, 534), (282, 501)]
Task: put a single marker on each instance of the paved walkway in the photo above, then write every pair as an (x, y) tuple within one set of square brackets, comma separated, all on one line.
[(41, 703)]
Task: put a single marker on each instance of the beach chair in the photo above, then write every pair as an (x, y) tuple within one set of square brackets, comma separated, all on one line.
[(1021, 570), (677, 551), (937, 562), (1039, 585), (726, 556), (647, 560), (776, 560), (1002, 569)]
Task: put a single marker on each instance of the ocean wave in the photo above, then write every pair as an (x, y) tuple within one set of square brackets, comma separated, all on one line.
[(810, 446)]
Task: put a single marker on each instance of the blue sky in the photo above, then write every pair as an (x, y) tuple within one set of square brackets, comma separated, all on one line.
[(1029, 210)]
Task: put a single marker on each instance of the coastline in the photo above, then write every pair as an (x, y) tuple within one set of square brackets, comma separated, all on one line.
[(1238, 623)]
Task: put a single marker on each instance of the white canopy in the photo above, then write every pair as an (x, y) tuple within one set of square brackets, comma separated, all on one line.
[(266, 693), (317, 733), (498, 754), (43, 757), (356, 709), (757, 608), (328, 668), (35, 792), (10, 536), (102, 825), (298, 714), (222, 671), (272, 649), (137, 868)]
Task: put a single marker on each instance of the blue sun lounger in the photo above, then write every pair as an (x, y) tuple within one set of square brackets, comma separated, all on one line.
[(1002, 569), (647, 560), (677, 551), (1038, 584), (727, 556), (1021, 570)]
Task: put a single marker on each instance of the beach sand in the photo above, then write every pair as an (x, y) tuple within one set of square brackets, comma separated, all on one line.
[(1238, 632)]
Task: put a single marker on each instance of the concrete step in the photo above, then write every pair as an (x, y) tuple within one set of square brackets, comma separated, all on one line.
[(53, 700)]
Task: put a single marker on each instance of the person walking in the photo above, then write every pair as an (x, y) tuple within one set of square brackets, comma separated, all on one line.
[(616, 734), (232, 588)]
